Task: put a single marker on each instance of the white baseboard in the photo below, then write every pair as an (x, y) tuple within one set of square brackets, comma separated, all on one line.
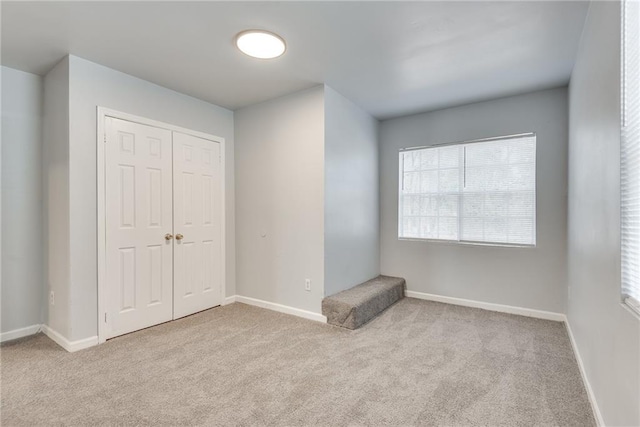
[(70, 346), (281, 308), (592, 397), (539, 314), (229, 300), (19, 333)]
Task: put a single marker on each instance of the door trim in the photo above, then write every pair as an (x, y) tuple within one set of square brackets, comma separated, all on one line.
[(101, 116)]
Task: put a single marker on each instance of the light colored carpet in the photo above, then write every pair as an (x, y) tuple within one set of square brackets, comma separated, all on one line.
[(419, 363)]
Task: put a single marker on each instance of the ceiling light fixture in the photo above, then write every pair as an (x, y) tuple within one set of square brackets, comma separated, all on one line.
[(260, 44)]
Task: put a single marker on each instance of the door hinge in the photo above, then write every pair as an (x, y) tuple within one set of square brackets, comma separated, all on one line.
[(105, 138), (105, 318)]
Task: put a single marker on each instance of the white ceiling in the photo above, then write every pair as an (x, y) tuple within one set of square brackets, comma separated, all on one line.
[(391, 58)]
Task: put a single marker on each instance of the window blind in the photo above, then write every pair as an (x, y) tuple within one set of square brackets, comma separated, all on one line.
[(475, 192), (630, 155)]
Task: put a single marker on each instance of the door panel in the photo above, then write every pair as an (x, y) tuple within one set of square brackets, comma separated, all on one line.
[(138, 191), (197, 217)]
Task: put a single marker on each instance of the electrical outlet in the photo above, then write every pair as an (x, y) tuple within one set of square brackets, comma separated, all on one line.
[(52, 298), (307, 284)]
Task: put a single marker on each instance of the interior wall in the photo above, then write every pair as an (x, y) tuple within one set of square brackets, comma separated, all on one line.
[(280, 199), (22, 236), (55, 170), (533, 278), (93, 85), (606, 333), (351, 203)]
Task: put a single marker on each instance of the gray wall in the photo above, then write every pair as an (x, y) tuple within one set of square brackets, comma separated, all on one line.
[(279, 199), (606, 333), (351, 203), (533, 278), (93, 85), (22, 238), (56, 198)]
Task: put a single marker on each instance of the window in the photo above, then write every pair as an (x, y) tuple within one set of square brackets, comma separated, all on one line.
[(630, 156), (474, 192)]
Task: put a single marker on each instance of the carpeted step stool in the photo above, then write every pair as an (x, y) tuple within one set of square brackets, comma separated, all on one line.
[(356, 306)]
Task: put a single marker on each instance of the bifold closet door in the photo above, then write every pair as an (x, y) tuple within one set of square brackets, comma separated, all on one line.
[(139, 220), (197, 224)]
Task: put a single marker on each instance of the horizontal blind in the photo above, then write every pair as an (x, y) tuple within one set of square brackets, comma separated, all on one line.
[(482, 192), (498, 198), (630, 155)]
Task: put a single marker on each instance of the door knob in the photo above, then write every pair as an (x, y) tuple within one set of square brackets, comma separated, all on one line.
[(168, 236), (179, 236)]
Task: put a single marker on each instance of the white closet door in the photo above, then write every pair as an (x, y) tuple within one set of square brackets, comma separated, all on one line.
[(138, 191), (197, 224)]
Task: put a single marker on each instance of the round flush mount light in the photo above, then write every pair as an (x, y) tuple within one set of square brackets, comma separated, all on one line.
[(260, 44)]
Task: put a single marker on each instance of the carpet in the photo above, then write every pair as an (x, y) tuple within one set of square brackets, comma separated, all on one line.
[(419, 363)]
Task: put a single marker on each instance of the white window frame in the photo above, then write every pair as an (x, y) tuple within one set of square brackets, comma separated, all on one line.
[(460, 241), (629, 154)]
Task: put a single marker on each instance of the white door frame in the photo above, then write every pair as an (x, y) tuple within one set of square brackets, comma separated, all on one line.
[(102, 114)]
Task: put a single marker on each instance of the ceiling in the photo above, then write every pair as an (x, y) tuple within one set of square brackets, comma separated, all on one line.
[(391, 58)]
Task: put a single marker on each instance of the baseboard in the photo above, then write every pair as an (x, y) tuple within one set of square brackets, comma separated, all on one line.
[(538, 314), (70, 346), (592, 397), (229, 300), (281, 308), (19, 333)]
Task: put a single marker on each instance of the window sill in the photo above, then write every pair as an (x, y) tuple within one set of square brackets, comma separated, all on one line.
[(632, 306), (467, 243)]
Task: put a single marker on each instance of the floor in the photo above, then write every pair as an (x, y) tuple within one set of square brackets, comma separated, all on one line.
[(419, 363)]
